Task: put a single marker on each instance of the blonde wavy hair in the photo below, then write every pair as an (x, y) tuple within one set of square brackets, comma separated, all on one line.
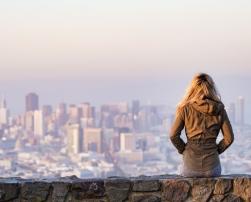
[(201, 86)]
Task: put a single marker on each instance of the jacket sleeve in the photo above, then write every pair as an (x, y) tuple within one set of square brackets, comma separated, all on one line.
[(176, 129), (228, 135)]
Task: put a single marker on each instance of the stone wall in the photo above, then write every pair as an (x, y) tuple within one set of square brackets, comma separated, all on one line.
[(115, 189)]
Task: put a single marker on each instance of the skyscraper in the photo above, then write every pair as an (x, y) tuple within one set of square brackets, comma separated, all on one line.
[(4, 112), (87, 115), (29, 121), (93, 140), (135, 107), (31, 102), (240, 111), (86, 110), (47, 110), (61, 114), (127, 142), (74, 139), (74, 113), (39, 128)]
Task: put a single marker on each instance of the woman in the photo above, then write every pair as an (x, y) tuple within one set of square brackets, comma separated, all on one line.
[(203, 115)]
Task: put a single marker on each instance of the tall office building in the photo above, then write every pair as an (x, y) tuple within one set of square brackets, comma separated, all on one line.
[(74, 139), (47, 110), (39, 128), (61, 114), (29, 121), (74, 113), (4, 112), (93, 140), (127, 142), (135, 107), (240, 111), (87, 115), (31, 102), (86, 110)]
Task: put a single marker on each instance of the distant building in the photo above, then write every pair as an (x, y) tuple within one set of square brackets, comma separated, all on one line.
[(86, 110), (240, 111), (47, 110), (123, 120), (93, 140), (4, 113), (232, 113), (61, 114), (28, 121), (31, 102), (135, 107), (87, 114), (127, 142), (74, 139), (135, 114), (74, 113), (39, 128)]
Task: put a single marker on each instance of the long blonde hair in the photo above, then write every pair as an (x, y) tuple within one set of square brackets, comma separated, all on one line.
[(201, 86)]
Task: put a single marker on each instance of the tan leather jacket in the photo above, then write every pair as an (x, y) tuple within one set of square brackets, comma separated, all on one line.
[(203, 121)]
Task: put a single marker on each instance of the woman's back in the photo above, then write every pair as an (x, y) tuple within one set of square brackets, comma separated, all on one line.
[(202, 119)]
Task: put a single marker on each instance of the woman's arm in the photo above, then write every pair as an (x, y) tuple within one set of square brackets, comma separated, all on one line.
[(228, 135), (176, 129)]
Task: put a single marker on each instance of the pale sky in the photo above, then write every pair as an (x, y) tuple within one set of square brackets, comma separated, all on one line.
[(134, 48)]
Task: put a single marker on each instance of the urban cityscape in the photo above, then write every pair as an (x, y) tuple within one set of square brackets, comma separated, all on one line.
[(115, 139)]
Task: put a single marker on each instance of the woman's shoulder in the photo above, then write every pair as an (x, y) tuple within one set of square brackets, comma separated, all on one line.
[(183, 109)]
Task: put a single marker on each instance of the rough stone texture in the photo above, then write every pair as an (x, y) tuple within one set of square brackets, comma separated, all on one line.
[(232, 198), (35, 191), (145, 197), (217, 198), (117, 189), (175, 190), (164, 188), (202, 189), (223, 186), (242, 187), (60, 191), (8, 191), (146, 185), (88, 189)]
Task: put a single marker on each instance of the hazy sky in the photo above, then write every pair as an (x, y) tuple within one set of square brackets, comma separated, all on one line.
[(101, 50)]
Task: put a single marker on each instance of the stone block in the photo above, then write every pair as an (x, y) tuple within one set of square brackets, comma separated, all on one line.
[(146, 185), (88, 189), (223, 186), (9, 191), (202, 189), (146, 197), (35, 191), (117, 189), (175, 190)]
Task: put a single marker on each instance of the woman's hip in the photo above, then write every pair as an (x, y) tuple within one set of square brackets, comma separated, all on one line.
[(188, 172)]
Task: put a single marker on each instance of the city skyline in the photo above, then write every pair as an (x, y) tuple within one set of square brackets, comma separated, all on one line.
[(116, 138), (155, 93), (236, 110)]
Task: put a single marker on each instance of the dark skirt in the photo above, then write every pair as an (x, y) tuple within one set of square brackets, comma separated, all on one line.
[(215, 172), (201, 159)]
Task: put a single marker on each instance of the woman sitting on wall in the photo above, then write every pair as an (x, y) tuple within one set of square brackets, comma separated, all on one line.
[(203, 115)]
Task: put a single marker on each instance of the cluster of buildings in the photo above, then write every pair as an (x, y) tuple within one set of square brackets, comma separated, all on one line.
[(236, 111), (125, 139)]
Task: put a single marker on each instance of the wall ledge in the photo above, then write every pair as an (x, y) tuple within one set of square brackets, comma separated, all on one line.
[(136, 189)]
